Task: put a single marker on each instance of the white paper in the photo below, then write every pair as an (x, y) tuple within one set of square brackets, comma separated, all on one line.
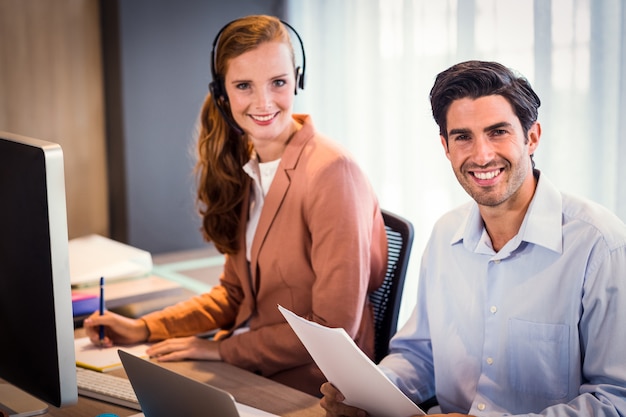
[(95, 256), (350, 370), (104, 359)]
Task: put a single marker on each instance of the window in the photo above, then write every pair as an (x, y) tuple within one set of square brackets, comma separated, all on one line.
[(371, 64)]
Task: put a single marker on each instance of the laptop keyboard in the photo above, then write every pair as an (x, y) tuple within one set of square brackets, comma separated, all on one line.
[(109, 388)]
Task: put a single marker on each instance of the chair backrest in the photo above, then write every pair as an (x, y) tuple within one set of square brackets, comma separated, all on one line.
[(386, 299)]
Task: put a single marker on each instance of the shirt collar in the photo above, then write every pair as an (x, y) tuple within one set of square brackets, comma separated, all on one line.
[(252, 166), (542, 224)]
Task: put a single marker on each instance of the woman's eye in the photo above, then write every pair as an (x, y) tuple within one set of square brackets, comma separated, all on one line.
[(242, 86), (279, 83)]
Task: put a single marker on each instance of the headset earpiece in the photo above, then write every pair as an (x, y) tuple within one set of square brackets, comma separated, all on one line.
[(299, 79), (220, 99), (217, 92)]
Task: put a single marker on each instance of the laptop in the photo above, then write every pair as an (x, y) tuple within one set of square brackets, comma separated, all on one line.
[(165, 393)]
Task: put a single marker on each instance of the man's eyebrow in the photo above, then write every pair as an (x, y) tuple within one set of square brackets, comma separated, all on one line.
[(497, 126), (460, 131), (465, 131)]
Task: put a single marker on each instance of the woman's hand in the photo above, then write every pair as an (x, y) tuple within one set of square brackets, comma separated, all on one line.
[(180, 348), (117, 329)]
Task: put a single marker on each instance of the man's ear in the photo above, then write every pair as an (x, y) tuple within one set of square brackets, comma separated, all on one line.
[(534, 135), (444, 143)]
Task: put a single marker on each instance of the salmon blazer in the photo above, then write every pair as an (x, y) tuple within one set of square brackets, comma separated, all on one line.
[(320, 247)]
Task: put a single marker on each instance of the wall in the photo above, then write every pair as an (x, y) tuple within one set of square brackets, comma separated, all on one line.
[(155, 88), (51, 88)]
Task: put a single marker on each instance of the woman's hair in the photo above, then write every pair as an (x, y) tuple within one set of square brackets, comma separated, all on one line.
[(474, 79), (222, 151)]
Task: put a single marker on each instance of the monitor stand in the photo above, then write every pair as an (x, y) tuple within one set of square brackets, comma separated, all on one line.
[(16, 403)]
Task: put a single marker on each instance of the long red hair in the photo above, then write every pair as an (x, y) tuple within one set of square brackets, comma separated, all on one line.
[(222, 152)]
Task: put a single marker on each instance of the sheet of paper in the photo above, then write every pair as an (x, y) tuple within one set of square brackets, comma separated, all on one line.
[(95, 256), (103, 359), (350, 370)]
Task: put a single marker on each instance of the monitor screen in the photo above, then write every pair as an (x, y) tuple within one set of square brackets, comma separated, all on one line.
[(36, 323)]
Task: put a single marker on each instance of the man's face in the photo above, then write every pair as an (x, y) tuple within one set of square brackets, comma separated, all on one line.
[(488, 151)]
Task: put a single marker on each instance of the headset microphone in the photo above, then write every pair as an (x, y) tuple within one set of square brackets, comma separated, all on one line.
[(218, 89)]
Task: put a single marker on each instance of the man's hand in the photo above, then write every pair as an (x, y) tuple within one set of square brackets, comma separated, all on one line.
[(332, 402), (450, 415)]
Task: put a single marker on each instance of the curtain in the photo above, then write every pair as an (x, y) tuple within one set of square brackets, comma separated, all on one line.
[(370, 65)]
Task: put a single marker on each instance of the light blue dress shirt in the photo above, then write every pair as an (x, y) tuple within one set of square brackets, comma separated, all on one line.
[(538, 328)]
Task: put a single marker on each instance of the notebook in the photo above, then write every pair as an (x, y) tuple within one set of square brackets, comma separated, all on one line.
[(165, 393), (103, 359)]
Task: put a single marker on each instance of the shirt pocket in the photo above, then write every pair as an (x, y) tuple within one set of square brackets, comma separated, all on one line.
[(539, 358)]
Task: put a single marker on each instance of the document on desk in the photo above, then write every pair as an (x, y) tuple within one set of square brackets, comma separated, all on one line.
[(346, 366), (94, 256), (104, 359)]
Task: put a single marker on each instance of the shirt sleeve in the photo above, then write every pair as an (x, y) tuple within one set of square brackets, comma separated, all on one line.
[(216, 309), (409, 364)]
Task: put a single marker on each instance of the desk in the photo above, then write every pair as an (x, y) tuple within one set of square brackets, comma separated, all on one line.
[(246, 387), (196, 271)]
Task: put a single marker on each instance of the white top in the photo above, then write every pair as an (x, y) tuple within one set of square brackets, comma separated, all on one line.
[(262, 174)]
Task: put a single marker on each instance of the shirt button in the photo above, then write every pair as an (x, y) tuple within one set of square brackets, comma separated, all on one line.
[(497, 261), (493, 309), (489, 361), (481, 406)]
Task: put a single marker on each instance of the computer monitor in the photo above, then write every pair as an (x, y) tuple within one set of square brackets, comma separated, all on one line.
[(36, 323)]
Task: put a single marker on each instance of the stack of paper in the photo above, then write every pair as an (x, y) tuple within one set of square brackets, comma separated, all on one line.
[(95, 256)]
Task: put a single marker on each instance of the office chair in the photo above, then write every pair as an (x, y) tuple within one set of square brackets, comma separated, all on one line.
[(386, 299)]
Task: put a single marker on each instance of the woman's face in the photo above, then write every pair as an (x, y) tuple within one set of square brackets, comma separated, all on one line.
[(260, 85)]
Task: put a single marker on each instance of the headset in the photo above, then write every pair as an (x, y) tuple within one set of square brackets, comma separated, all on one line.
[(218, 89)]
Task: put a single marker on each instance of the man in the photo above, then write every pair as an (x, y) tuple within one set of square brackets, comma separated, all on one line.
[(521, 304)]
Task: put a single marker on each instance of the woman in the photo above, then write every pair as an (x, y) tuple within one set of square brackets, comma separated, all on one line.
[(296, 218)]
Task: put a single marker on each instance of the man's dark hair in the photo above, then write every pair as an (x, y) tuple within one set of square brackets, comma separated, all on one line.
[(474, 79)]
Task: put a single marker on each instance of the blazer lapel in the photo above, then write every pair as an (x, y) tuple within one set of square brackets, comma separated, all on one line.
[(273, 200), (276, 194)]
